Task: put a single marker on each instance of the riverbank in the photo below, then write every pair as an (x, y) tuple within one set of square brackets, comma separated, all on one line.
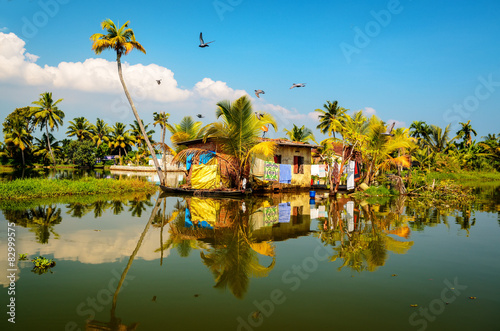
[(21, 189)]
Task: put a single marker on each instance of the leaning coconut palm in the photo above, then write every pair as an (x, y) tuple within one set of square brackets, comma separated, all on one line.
[(301, 134), (47, 114), (46, 147), (122, 40), (18, 137), (162, 120)]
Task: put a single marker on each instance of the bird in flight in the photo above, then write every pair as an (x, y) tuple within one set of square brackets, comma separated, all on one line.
[(158, 81), (257, 92), (259, 115), (202, 43), (389, 130), (200, 116), (298, 85)]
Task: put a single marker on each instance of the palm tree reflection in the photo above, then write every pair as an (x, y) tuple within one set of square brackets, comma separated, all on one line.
[(361, 237)]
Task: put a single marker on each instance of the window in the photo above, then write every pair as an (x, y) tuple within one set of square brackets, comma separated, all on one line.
[(298, 164), (277, 159)]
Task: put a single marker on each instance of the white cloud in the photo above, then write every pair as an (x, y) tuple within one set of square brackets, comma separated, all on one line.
[(314, 115), (369, 111), (399, 124)]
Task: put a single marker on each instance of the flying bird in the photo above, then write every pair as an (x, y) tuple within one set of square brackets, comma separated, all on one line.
[(298, 85), (200, 116), (202, 43), (257, 92), (389, 130), (158, 81), (259, 115)]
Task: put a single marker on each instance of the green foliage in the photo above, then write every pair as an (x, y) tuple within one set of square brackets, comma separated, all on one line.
[(82, 153), (23, 257), (41, 265), (34, 187)]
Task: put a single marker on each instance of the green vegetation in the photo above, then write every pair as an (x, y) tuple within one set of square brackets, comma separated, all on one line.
[(42, 265), (23, 257), (34, 188)]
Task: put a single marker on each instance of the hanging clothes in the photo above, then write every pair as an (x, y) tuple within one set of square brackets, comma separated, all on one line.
[(271, 171), (285, 173), (315, 170)]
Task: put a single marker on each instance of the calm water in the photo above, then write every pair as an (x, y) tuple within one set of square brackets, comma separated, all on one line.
[(275, 263)]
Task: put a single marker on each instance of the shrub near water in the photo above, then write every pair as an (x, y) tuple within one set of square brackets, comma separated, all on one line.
[(34, 187)]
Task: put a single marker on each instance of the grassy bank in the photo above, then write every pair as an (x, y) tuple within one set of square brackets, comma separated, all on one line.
[(21, 189)]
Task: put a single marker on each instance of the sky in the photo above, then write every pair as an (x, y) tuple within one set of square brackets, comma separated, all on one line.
[(403, 61)]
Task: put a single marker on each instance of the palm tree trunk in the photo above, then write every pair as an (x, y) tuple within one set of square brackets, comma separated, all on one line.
[(48, 145), (164, 157), (22, 155), (150, 147)]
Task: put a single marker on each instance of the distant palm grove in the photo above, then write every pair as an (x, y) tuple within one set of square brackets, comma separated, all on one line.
[(28, 139)]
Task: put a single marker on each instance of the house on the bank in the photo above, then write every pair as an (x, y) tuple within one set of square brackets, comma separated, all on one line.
[(289, 169)]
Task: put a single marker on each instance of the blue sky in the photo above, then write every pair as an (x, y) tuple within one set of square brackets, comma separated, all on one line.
[(401, 60)]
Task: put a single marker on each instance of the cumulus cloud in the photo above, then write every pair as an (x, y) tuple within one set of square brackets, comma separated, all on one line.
[(97, 75), (369, 111), (314, 115)]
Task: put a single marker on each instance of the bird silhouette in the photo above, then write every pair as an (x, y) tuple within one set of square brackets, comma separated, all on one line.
[(389, 130), (257, 92), (200, 116), (298, 85), (158, 81), (259, 115), (202, 43)]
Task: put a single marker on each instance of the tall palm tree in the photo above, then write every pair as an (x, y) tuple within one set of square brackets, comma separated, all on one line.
[(466, 132), (46, 146), (18, 137), (47, 114), (238, 132), (301, 134), (100, 132), (80, 127), (162, 119), (122, 40), (121, 139), (327, 116)]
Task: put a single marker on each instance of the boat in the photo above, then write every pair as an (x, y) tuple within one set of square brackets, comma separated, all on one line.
[(204, 193)]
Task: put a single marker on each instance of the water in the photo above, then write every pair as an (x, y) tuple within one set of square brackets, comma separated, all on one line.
[(270, 263)]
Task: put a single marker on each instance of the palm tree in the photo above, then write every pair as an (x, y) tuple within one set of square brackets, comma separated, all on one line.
[(18, 137), (47, 114), (162, 120), (438, 139), (465, 132), (121, 139), (237, 134), (331, 112), (137, 134), (46, 146), (81, 128), (301, 134), (186, 130), (122, 40), (100, 132)]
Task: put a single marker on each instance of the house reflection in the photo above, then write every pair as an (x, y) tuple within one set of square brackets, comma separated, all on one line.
[(361, 235)]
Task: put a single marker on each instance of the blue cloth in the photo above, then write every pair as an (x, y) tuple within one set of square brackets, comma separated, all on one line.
[(204, 158), (284, 212), (285, 173), (189, 161)]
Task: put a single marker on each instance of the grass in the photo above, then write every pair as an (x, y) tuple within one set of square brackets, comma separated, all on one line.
[(463, 176), (22, 189)]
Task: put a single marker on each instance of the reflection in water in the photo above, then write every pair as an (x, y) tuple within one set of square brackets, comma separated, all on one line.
[(115, 323), (40, 220), (361, 236)]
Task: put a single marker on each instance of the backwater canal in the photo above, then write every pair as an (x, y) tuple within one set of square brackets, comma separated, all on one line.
[(279, 262)]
